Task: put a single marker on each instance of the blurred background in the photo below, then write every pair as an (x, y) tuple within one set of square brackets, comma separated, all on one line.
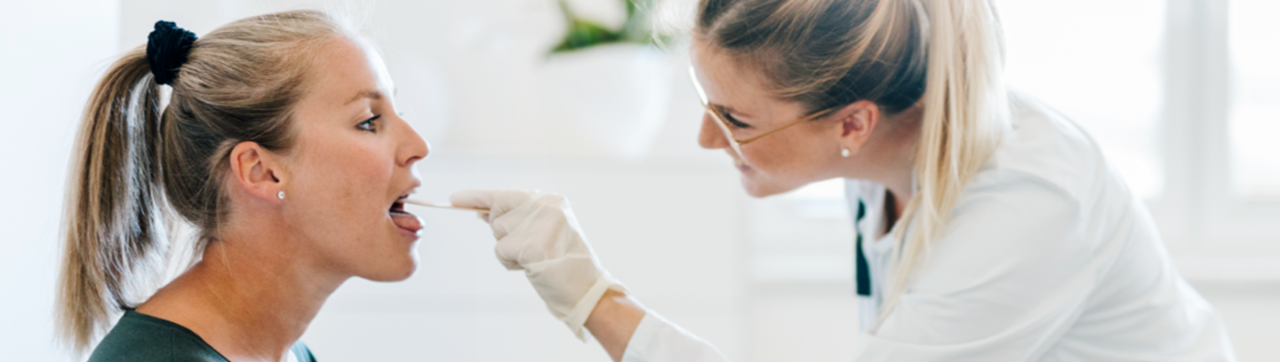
[(1183, 95)]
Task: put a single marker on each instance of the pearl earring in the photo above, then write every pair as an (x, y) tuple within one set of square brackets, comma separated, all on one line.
[(280, 195), (844, 152)]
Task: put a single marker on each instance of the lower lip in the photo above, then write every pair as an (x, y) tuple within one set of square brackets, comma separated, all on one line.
[(742, 167), (411, 233)]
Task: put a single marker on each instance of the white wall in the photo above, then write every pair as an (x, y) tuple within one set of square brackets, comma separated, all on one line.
[(51, 53)]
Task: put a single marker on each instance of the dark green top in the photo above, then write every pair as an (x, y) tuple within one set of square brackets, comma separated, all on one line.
[(143, 338)]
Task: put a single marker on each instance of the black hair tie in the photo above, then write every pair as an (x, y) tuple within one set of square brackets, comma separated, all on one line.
[(167, 49)]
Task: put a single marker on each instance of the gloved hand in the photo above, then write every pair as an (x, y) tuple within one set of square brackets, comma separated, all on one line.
[(537, 232)]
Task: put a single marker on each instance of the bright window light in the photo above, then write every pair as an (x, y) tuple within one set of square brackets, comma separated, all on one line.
[(1100, 68), (1255, 111)]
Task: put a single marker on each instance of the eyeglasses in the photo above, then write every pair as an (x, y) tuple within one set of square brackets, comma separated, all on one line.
[(734, 143)]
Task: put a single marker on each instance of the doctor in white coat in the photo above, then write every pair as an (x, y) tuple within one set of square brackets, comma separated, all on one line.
[(989, 227)]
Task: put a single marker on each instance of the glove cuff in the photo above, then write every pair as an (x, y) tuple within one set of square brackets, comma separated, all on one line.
[(578, 316)]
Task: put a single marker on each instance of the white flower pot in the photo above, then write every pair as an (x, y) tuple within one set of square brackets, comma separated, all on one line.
[(606, 101)]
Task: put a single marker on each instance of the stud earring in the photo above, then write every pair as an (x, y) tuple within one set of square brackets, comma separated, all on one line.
[(844, 152), (280, 195)]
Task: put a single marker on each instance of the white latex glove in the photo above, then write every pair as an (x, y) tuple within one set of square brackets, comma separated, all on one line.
[(537, 232)]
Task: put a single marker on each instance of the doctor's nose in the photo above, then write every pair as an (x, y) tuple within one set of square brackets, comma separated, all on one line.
[(711, 137)]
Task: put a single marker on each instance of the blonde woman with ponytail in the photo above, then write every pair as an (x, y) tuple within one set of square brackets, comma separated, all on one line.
[(277, 148), (989, 227)]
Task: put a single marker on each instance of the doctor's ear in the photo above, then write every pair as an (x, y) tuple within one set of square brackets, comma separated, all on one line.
[(858, 120), (256, 171)]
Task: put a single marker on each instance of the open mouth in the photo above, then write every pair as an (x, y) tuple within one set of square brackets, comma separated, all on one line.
[(403, 219)]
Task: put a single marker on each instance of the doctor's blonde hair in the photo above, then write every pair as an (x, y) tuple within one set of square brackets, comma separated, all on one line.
[(945, 56), (138, 166)]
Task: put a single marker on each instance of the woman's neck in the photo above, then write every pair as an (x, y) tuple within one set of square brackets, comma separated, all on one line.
[(890, 159), (248, 298)]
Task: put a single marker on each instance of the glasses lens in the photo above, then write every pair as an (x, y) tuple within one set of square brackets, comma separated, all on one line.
[(728, 135)]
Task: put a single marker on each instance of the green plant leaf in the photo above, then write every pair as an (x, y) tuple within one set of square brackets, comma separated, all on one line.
[(584, 33)]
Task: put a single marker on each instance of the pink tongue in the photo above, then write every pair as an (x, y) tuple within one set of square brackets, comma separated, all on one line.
[(406, 221)]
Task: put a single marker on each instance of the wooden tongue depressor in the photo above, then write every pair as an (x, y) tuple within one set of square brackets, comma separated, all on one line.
[(442, 205)]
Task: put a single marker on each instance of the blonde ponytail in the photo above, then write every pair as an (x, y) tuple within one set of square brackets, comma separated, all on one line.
[(113, 218), (966, 113)]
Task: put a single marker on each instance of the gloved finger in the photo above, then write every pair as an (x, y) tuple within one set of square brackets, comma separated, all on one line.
[(498, 202), (540, 229), (479, 199), (510, 264)]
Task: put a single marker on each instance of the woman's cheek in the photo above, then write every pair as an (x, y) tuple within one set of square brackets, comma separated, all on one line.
[(373, 172)]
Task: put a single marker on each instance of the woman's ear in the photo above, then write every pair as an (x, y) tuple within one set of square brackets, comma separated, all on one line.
[(256, 171), (857, 121)]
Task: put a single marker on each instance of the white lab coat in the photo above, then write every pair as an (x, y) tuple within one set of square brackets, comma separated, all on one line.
[(1048, 257)]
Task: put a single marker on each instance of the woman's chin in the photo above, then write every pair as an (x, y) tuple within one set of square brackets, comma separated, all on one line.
[(392, 276), (756, 189), (394, 271), (761, 189)]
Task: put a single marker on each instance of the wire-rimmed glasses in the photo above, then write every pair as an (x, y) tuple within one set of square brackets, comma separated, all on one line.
[(734, 142)]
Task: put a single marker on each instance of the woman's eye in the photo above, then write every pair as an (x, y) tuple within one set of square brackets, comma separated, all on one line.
[(368, 125), (734, 121)]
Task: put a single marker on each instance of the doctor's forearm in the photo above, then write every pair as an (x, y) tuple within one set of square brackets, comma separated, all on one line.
[(613, 321)]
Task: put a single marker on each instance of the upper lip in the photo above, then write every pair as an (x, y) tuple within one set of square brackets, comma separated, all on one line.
[(405, 194)]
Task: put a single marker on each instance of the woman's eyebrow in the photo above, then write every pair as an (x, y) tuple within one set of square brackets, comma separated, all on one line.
[(371, 94)]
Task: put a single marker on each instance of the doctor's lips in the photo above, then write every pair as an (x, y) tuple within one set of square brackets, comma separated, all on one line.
[(404, 219)]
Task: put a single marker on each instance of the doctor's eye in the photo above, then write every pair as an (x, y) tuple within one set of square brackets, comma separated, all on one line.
[(733, 121)]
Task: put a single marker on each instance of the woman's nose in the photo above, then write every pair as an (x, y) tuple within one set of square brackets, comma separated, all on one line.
[(412, 148), (711, 136)]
